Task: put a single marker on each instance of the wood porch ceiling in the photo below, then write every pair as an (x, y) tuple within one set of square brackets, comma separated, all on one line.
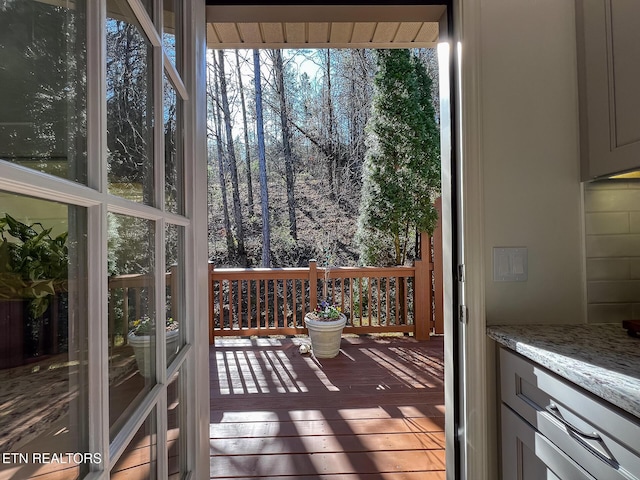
[(316, 26), (375, 411)]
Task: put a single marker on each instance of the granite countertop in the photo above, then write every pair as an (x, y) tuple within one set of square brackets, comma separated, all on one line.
[(601, 358)]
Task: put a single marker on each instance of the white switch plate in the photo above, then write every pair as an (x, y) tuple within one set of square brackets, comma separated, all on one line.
[(510, 264)]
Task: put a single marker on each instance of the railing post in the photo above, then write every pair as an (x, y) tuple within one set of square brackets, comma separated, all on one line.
[(313, 284), (211, 302), (175, 293), (437, 271), (422, 290)]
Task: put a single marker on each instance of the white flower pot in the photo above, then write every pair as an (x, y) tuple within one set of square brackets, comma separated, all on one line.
[(325, 335), (141, 348)]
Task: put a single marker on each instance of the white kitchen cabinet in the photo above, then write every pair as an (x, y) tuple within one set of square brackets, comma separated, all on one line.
[(554, 429), (608, 46), (529, 455)]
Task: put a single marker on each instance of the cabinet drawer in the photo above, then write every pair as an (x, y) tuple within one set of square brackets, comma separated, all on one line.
[(528, 455), (597, 436)]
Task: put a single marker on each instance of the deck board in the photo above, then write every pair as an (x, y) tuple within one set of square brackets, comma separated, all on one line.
[(374, 412)]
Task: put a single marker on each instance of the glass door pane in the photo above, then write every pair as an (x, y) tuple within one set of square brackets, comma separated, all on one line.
[(175, 434), (171, 33), (129, 107), (43, 96), (174, 299), (139, 460), (132, 316), (43, 341), (173, 158)]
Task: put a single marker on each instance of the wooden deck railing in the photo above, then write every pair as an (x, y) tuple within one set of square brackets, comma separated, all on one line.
[(129, 297), (273, 301)]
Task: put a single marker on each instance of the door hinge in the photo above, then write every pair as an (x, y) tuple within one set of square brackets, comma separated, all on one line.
[(463, 314), (461, 273)]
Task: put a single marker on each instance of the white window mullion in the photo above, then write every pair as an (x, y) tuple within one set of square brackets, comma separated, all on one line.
[(25, 181), (161, 435), (175, 79), (146, 23), (160, 304), (97, 333), (161, 333), (97, 95), (158, 139), (97, 235), (161, 357), (196, 392)]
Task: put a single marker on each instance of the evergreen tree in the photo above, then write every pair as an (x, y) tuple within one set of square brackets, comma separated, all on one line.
[(401, 175)]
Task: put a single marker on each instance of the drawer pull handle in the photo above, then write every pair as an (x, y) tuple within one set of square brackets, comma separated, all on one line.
[(581, 436), (555, 413)]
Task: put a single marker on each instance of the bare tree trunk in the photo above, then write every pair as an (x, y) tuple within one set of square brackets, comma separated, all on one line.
[(329, 111), (246, 136), (231, 249), (288, 160), (264, 190), (231, 155), (357, 123)]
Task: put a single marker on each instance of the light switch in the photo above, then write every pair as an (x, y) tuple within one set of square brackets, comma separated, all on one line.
[(510, 264)]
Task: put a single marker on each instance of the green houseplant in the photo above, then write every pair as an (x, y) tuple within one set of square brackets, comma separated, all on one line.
[(33, 264), (33, 270)]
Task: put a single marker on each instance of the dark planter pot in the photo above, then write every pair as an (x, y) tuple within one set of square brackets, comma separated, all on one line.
[(13, 316)]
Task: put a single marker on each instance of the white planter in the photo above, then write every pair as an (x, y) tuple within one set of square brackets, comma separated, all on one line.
[(141, 348), (325, 335)]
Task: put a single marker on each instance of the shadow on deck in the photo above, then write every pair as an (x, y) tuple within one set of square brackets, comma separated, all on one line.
[(376, 411)]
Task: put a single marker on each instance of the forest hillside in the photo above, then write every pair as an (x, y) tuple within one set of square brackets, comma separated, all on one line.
[(290, 127)]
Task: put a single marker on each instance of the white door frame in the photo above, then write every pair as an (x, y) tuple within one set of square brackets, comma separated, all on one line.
[(473, 442)]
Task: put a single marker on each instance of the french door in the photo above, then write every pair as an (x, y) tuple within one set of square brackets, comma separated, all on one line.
[(100, 290)]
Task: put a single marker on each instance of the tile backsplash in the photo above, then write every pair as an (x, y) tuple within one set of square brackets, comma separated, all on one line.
[(612, 223)]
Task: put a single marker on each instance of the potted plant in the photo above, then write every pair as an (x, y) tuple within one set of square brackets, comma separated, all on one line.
[(139, 337), (33, 269), (325, 326)]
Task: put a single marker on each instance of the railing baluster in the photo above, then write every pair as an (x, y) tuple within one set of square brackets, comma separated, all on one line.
[(379, 301), (211, 305), (234, 294), (398, 320), (276, 311), (294, 306), (378, 289), (387, 303), (125, 306), (361, 304), (313, 285), (221, 302), (351, 312), (405, 300), (232, 305), (285, 289), (266, 304), (258, 301), (249, 316), (240, 285), (369, 303)]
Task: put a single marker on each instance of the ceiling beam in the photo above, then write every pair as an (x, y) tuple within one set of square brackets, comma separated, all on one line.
[(324, 13)]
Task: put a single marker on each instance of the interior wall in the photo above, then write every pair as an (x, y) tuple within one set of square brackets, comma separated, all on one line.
[(531, 188), (49, 214)]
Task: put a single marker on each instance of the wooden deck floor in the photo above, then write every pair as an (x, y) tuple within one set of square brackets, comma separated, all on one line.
[(376, 411)]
